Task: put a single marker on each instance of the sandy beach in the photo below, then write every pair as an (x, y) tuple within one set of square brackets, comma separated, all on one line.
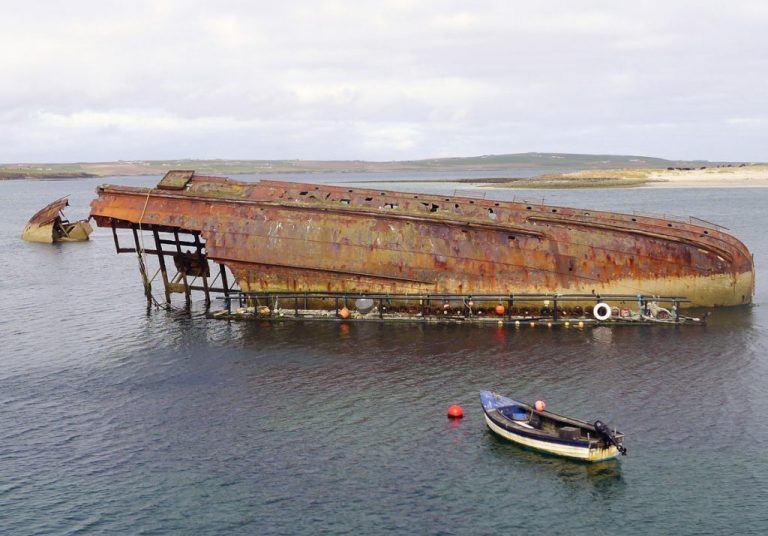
[(726, 177), (747, 176)]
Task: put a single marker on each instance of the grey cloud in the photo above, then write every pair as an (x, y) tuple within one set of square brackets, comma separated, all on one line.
[(372, 80)]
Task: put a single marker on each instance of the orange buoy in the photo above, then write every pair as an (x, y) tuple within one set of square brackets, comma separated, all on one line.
[(344, 313), (455, 412), (500, 310), (540, 405)]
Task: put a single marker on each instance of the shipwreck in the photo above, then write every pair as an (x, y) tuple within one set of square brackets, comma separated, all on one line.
[(49, 225), (290, 238)]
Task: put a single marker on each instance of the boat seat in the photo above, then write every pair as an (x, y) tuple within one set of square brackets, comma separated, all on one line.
[(520, 416), (524, 424), (514, 412)]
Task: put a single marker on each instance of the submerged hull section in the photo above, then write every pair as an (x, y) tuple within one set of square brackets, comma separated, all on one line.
[(48, 225), (280, 236)]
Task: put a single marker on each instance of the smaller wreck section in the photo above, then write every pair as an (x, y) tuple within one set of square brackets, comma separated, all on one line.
[(50, 225)]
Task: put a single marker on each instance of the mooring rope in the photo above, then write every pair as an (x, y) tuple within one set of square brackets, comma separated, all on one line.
[(143, 262), (141, 234), (140, 254)]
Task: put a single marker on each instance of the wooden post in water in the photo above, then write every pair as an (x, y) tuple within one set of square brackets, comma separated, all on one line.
[(161, 259), (204, 267), (187, 292)]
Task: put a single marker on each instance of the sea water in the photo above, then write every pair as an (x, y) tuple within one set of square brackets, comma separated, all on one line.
[(116, 419)]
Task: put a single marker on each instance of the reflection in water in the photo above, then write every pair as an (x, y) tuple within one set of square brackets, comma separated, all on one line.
[(344, 330), (602, 335), (605, 478)]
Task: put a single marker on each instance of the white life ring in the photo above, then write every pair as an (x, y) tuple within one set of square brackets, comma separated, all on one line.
[(601, 311)]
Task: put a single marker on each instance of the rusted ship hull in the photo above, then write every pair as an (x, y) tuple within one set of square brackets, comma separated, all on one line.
[(281, 236), (49, 225)]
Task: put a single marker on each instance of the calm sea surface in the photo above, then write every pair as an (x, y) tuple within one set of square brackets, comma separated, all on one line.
[(118, 420)]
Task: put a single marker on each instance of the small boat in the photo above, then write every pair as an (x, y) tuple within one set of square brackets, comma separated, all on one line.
[(49, 225), (548, 432)]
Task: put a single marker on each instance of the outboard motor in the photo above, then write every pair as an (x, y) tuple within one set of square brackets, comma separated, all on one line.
[(605, 433)]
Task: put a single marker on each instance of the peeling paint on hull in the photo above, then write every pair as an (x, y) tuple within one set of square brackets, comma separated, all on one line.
[(288, 236)]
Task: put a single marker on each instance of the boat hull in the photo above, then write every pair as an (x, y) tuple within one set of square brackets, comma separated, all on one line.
[(543, 430), (277, 236), (583, 453)]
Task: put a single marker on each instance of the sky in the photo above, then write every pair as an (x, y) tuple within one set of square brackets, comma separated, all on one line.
[(106, 80)]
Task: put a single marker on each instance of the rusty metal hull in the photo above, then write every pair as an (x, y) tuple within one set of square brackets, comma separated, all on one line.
[(288, 237), (48, 225)]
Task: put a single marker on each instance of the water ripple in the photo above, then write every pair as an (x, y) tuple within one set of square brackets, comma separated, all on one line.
[(116, 420)]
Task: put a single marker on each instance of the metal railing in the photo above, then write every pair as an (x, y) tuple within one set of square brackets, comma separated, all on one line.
[(432, 304)]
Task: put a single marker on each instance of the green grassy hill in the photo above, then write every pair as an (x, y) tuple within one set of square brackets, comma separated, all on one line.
[(543, 161)]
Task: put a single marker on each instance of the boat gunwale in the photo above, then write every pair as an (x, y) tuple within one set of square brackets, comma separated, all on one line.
[(470, 222), (513, 204), (613, 224)]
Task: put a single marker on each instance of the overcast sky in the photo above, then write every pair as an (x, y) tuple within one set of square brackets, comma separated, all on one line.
[(381, 80)]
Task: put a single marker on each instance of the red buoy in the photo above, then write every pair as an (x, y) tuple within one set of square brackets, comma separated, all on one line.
[(455, 412), (500, 310), (539, 405)]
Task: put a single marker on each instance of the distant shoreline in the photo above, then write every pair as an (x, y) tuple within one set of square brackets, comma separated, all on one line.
[(58, 175), (590, 171)]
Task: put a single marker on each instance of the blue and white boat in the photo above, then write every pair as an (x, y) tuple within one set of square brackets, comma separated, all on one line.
[(548, 432)]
